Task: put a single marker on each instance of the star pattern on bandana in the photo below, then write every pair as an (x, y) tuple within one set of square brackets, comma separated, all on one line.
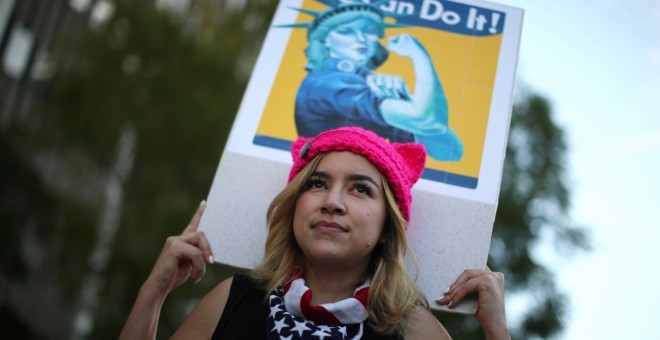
[(300, 327), (279, 324), (284, 325)]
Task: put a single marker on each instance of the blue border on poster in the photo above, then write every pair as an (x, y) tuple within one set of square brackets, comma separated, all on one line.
[(430, 174)]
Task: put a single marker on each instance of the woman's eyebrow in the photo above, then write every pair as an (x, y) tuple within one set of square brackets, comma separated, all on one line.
[(358, 177), (352, 177), (321, 174)]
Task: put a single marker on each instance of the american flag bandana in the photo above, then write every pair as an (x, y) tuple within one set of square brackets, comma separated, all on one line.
[(293, 317)]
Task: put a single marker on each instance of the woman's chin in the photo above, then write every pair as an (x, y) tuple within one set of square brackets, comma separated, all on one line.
[(359, 61)]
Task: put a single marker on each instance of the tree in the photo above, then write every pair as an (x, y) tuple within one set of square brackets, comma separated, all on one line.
[(533, 206)]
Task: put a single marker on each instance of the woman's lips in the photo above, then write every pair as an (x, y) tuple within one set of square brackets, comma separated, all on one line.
[(329, 226)]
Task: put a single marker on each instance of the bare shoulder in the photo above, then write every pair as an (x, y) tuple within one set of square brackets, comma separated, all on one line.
[(421, 324), (203, 319)]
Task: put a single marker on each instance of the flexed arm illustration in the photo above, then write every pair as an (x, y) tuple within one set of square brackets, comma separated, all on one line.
[(423, 113)]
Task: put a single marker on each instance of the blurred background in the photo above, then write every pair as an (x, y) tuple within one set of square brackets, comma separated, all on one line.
[(114, 114)]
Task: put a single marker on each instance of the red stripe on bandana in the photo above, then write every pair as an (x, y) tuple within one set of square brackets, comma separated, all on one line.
[(362, 295), (316, 313)]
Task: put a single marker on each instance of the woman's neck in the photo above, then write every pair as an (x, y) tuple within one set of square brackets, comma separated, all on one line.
[(331, 286)]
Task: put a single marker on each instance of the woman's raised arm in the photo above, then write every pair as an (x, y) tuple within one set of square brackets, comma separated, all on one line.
[(183, 257)]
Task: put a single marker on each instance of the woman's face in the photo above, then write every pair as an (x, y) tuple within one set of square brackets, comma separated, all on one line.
[(339, 217), (355, 41)]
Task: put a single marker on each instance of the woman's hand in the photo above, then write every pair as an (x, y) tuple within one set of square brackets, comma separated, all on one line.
[(405, 45), (489, 287), (388, 86), (184, 256)]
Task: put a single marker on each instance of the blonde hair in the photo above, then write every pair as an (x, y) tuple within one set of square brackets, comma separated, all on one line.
[(392, 294)]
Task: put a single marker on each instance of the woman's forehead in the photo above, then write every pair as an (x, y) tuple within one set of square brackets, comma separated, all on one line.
[(359, 23), (346, 161)]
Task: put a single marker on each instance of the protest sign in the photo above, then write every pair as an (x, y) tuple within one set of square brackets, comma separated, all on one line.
[(465, 51)]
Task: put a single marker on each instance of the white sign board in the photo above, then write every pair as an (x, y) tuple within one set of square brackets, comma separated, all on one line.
[(473, 48)]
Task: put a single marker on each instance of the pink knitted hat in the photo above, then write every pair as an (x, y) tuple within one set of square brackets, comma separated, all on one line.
[(402, 164)]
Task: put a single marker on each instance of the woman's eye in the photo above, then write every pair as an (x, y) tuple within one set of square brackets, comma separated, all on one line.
[(315, 183), (371, 30), (363, 189), (344, 31)]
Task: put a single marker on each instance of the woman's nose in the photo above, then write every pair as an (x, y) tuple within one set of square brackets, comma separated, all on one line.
[(334, 202), (359, 35)]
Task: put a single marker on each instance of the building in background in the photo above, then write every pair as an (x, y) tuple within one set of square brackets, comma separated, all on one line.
[(29, 29)]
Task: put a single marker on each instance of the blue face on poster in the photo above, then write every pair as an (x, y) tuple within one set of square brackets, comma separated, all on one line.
[(355, 41), (342, 88)]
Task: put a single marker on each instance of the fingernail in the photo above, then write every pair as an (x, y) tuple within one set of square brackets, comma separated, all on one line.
[(447, 290), (203, 202), (449, 304), (210, 258)]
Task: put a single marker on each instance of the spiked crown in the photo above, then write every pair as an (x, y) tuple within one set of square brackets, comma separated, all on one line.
[(342, 12)]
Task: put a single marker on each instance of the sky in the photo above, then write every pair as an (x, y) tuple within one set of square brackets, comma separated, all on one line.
[(598, 62)]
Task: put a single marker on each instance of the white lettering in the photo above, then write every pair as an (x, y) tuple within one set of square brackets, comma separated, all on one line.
[(390, 7), (405, 8), (393, 6), (433, 10), (425, 11), (493, 23), (474, 19), (451, 18)]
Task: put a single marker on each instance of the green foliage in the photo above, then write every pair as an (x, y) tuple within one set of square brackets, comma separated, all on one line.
[(36, 225)]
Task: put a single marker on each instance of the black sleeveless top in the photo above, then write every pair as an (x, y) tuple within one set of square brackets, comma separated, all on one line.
[(246, 312)]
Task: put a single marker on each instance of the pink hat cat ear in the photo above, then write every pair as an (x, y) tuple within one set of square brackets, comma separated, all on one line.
[(414, 157)]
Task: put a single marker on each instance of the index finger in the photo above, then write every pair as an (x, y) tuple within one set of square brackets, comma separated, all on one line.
[(194, 222)]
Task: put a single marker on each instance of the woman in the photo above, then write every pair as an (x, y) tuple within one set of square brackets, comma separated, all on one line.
[(341, 89), (338, 230)]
